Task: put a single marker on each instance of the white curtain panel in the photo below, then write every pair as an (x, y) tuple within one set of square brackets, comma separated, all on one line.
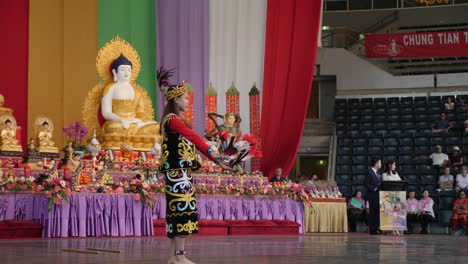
[(237, 44)]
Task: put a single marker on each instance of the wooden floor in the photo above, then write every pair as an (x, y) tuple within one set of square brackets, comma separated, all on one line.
[(246, 249)]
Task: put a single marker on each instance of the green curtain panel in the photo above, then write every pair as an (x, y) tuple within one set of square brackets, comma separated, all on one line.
[(135, 21)]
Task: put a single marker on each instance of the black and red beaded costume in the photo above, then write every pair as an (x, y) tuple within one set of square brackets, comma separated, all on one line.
[(178, 161)]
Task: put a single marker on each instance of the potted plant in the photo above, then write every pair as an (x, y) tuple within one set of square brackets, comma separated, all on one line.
[(75, 133)]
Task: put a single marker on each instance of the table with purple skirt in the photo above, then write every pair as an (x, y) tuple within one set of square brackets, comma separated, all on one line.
[(96, 214)]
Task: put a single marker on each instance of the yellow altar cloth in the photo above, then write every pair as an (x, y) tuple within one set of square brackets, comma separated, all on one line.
[(327, 217)]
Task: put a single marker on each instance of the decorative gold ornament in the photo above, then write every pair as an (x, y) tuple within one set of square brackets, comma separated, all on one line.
[(431, 2), (112, 51), (176, 92)]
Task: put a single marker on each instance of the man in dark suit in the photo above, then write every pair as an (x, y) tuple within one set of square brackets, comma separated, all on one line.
[(373, 182)]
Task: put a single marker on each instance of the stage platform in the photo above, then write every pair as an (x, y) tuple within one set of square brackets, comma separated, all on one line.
[(297, 249), (94, 214)]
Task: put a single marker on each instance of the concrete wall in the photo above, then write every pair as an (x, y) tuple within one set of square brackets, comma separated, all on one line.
[(354, 73), (360, 20)]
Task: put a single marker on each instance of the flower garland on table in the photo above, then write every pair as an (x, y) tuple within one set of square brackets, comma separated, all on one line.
[(144, 192), (56, 190), (285, 190), (19, 184)]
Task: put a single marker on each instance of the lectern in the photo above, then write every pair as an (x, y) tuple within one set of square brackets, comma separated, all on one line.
[(393, 205), (393, 185)]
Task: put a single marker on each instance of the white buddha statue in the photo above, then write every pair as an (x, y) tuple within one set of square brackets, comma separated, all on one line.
[(119, 108), (123, 106), (119, 102)]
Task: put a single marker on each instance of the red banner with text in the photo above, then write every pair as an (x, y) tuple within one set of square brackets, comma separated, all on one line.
[(417, 45)]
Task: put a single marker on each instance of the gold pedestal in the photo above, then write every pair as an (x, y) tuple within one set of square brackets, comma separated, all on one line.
[(138, 143)]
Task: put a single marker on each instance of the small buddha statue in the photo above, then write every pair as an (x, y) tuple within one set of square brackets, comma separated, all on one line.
[(107, 162), (8, 138), (32, 149), (76, 167), (230, 125), (4, 110), (46, 145), (10, 175), (69, 150)]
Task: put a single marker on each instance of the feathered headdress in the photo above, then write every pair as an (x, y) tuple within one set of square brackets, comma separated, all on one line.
[(163, 76)]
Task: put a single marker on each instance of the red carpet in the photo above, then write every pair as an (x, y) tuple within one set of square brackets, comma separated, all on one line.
[(237, 227), (20, 229)]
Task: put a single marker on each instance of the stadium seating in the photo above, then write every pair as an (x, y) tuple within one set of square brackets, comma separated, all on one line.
[(396, 129)]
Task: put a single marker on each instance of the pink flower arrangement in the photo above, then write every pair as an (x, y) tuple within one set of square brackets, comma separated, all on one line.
[(143, 191), (55, 189)]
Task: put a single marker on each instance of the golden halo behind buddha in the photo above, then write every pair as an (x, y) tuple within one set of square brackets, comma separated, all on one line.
[(39, 121), (112, 51), (4, 118)]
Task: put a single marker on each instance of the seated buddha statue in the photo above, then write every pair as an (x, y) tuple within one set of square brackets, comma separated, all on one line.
[(44, 137), (118, 108), (230, 124), (120, 104), (8, 141)]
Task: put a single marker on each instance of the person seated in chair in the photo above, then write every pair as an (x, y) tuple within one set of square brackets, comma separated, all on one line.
[(460, 212), (278, 177), (412, 210), (449, 105), (442, 124), (462, 180), (426, 213), (446, 180), (356, 210), (456, 158), (439, 159)]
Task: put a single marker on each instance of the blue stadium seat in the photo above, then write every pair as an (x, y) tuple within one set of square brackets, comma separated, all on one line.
[(428, 179), (405, 159), (391, 141), (359, 179), (407, 101), (375, 150), (446, 202), (412, 179), (343, 169), (444, 217), (342, 159), (360, 159), (360, 169), (346, 190), (431, 188), (343, 179), (345, 150), (390, 150)]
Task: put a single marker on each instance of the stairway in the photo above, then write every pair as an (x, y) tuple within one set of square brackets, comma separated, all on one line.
[(319, 139)]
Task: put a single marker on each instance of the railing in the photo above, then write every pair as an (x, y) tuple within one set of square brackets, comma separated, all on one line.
[(332, 155), (347, 5)]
